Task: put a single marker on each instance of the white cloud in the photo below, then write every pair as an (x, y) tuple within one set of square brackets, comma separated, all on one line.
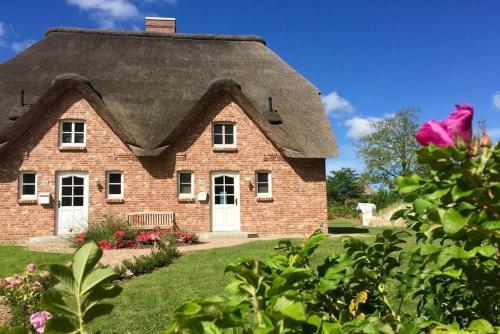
[(107, 12), (360, 126), (335, 104), (496, 100), (20, 46), (2, 29)]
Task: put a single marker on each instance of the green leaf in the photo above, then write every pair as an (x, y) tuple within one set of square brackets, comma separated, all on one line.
[(454, 252), (437, 194), (420, 206), (97, 310), (85, 259), (332, 328), (60, 325), (453, 222), (408, 184), (428, 249), (457, 193), (56, 302), (14, 330), (63, 275), (487, 250), (290, 309), (481, 326), (432, 309), (491, 225), (97, 277), (190, 308)]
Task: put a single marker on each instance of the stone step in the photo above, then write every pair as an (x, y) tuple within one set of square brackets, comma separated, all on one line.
[(49, 239), (227, 235)]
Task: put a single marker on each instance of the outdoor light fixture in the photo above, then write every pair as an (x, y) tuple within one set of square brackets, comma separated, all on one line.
[(248, 181)]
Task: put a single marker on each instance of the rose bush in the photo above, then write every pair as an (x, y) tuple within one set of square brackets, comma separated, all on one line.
[(22, 293), (452, 275)]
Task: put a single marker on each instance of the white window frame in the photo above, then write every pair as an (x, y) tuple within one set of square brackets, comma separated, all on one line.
[(185, 195), (269, 194), (108, 183), (22, 196), (72, 122), (224, 145)]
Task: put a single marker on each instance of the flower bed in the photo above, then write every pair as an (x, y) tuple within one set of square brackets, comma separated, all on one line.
[(20, 297), (113, 233)]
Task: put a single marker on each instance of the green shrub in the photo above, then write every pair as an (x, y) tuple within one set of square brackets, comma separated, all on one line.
[(111, 231), (338, 210), (144, 264), (451, 275)]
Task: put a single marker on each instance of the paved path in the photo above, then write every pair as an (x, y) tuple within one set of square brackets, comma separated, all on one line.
[(114, 257)]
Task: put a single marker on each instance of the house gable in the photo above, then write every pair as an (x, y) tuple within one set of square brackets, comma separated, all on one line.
[(41, 141)]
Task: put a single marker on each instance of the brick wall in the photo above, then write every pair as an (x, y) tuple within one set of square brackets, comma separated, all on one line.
[(298, 205)]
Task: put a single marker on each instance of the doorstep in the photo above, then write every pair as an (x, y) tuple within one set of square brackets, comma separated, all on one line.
[(227, 235), (49, 239)]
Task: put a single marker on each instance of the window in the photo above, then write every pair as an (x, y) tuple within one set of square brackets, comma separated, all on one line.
[(72, 133), (27, 185), (115, 185), (185, 181), (224, 135), (263, 184)]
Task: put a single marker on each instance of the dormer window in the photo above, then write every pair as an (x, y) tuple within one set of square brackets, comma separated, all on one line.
[(72, 133), (224, 135)]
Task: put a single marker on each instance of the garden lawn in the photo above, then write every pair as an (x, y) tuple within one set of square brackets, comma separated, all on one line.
[(13, 259), (147, 301)]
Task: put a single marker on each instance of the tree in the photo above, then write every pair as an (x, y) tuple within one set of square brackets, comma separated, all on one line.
[(344, 184), (389, 151)]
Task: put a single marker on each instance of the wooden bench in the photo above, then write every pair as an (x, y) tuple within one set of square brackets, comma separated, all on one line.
[(151, 220)]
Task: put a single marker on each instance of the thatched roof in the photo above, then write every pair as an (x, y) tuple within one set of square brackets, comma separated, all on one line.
[(148, 86)]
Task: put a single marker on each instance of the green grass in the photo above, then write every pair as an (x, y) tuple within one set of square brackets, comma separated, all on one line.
[(342, 222), (147, 301), (13, 259)]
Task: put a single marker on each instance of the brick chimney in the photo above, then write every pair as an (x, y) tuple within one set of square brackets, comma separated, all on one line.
[(164, 25)]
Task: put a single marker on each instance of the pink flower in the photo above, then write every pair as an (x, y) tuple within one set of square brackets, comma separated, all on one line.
[(458, 123), (13, 283), (39, 319), (154, 236), (31, 267)]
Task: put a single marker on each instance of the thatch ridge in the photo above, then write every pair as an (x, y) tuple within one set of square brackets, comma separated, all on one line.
[(150, 89)]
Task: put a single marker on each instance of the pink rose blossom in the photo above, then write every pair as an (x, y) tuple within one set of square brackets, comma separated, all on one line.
[(31, 267), (39, 319), (458, 123)]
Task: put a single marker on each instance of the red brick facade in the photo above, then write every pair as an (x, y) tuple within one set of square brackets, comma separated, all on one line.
[(298, 204)]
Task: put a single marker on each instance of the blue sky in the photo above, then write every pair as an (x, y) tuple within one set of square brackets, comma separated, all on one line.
[(368, 58)]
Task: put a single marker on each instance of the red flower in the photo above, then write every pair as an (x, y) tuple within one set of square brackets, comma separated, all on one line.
[(130, 244), (119, 234), (105, 244), (80, 237)]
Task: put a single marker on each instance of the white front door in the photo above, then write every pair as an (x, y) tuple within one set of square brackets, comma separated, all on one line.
[(72, 202), (225, 202)]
